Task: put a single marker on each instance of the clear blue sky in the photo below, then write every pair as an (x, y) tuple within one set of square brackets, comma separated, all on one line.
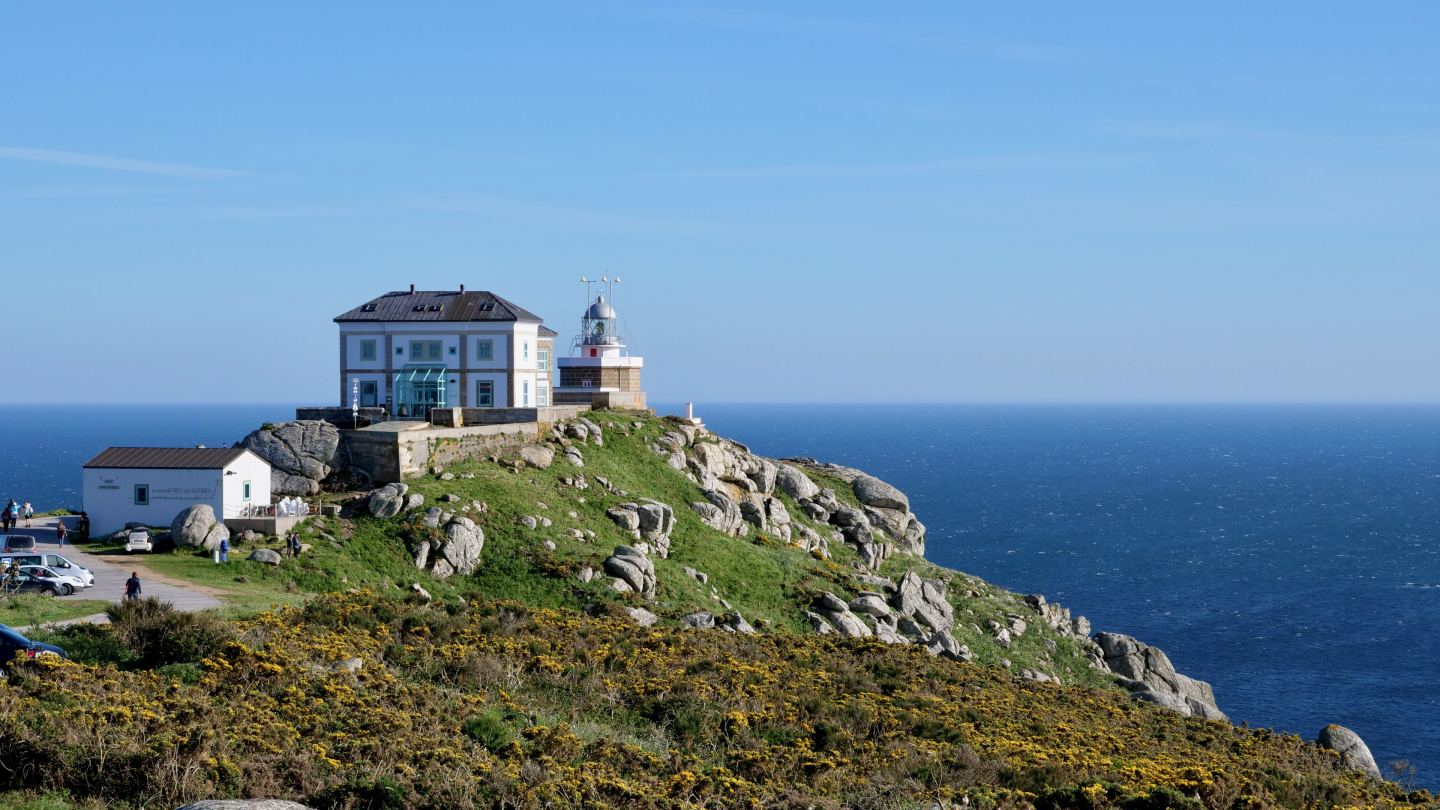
[(824, 201)]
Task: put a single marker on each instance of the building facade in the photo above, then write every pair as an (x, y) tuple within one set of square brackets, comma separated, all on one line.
[(413, 351), (600, 371), (150, 485)]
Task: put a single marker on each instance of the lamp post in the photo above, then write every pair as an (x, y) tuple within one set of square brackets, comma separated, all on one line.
[(354, 402)]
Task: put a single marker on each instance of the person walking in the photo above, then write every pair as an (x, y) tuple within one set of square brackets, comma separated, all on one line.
[(60, 533), (294, 545), (132, 586), (7, 516), (29, 513), (224, 549)]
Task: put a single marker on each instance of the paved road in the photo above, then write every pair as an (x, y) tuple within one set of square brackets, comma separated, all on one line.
[(110, 574)]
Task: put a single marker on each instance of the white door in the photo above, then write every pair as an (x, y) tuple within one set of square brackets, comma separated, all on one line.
[(452, 390)]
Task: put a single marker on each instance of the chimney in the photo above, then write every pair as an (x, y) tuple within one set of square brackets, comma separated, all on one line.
[(412, 289), (462, 288)]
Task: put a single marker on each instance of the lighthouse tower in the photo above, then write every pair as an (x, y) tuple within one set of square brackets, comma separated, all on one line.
[(600, 370)]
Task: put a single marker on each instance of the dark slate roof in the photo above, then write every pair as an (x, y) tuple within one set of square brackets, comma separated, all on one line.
[(546, 331), (439, 305), (166, 458)]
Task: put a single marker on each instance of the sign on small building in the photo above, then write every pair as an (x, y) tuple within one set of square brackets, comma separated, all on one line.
[(150, 485)]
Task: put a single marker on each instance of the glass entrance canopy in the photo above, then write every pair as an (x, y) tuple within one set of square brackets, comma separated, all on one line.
[(418, 388)]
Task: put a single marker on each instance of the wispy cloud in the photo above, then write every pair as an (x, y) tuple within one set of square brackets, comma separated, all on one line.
[(117, 164), (721, 17), (564, 217), (976, 163)]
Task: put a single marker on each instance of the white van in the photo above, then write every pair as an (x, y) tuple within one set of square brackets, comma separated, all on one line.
[(58, 562)]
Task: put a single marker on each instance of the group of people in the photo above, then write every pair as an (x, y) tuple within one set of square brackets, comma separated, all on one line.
[(12, 513), (292, 544)]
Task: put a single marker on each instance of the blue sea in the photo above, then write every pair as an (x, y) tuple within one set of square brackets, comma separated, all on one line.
[(1289, 555)]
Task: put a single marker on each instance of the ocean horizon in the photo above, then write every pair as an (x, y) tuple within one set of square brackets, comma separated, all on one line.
[(1286, 554)]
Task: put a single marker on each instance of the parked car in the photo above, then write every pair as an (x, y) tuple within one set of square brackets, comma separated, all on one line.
[(13, 646), (58, 563), (17, 581), (63, 585), (19, 543), (139, 540)]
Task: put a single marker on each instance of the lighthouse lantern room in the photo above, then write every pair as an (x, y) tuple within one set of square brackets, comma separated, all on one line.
[(600, 370)]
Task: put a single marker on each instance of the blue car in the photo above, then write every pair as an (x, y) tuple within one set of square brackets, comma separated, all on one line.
[(14, 646)]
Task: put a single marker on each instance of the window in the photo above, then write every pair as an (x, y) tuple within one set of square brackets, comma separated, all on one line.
[(592, 352), (400, 350), (525, 393), (484, 394), (245, 491), (367, 350), (369, 393), (542, 359), (417, 350), (542, 396), (484, 350), (435, 349), (526, 355), (142, 494), (452, 350)]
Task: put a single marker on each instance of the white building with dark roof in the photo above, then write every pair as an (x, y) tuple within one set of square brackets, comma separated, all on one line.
[(414, 351), (150, 485)]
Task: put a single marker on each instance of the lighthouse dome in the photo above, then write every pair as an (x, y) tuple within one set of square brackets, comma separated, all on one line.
[(600, 310)]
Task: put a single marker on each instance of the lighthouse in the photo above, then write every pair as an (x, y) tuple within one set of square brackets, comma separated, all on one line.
[(600, 370)]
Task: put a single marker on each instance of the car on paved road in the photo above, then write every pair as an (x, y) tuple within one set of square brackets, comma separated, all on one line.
[(58, 563), (18, 543), (14, 646), (64, 585), (139, 540)]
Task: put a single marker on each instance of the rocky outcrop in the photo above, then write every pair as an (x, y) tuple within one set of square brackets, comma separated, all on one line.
[(1353, 749), (837, 612), (196, 526), (719, 512), (633, 568), (924, 601), (388, 500), (301, 454), (871, 491), (458, 553), (651, 521), (795, 483), (1147, 672)]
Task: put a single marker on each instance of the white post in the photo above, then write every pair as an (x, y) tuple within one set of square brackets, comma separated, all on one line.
[(217, 555), (689, 410)]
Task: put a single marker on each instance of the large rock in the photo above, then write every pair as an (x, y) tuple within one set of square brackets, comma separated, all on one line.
[(925, 601), (463, 543), (1349, 745), (1148, 669), (795, 483), (538, 456), (871, 491), (196, 526), (633, 568), (720, 512), (388, 500), (657, 521), (301, 454), (269, 556)]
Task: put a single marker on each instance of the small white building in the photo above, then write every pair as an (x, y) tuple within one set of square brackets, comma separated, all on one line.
[(150, 485)]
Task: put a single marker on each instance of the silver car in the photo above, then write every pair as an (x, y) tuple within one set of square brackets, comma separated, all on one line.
[(63, 585)]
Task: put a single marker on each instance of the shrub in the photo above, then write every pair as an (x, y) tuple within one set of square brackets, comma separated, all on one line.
[(488, 729), (158, 634), (93, 644)]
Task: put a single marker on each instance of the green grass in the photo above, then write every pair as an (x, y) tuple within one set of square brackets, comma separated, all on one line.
[(769, 584), (31, 609)]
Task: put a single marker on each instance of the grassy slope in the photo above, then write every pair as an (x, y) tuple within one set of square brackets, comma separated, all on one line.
[(761, 581)]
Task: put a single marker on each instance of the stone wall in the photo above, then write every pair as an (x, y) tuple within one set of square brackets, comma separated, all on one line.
[(391, 456), (340, 417)]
